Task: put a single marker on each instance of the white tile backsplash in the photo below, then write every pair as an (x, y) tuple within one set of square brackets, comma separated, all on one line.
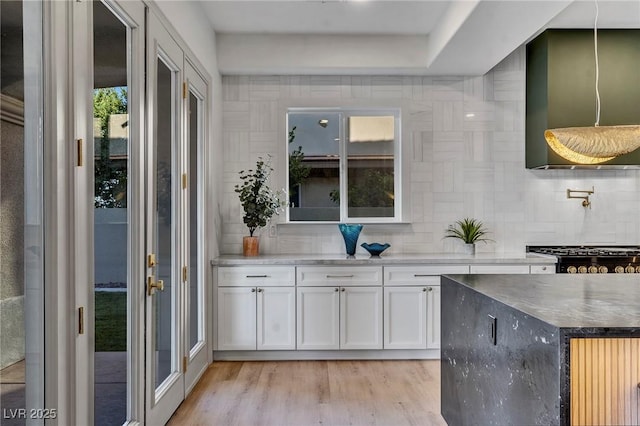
[(456, 165)]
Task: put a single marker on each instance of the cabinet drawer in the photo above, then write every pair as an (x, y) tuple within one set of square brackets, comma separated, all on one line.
[(499, 269), (339, 275), (247, 276), (543, 269), (420, 275)]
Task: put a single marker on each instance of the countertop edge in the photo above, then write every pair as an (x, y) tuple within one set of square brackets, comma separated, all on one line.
[(427, 259)]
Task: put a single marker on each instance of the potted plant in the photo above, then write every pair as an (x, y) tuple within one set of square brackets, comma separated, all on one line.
[(259, 202), (470, 231)]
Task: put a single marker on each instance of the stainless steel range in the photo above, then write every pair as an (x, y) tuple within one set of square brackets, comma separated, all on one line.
[(593, 260)]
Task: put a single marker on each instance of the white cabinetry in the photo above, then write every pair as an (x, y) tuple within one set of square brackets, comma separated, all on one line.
[(339, 307), (318, 318), (256, 308), (513, 269), (405, 317), (412, 305)]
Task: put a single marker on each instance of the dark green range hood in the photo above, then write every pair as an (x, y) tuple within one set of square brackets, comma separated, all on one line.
[(561, 89)]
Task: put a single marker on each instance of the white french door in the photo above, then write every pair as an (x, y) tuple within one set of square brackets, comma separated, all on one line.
[(140, 257), (195, 342), (165, 277)]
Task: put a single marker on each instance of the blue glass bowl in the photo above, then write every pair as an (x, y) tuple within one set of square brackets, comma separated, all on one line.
[(375, 248)]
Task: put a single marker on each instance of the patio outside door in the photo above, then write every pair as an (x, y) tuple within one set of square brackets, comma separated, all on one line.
[(164, 376)]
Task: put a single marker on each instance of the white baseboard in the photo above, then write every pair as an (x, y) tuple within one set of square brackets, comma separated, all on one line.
[(388, 354)]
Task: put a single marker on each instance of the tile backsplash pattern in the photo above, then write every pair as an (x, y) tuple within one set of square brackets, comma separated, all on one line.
[(463, 155)]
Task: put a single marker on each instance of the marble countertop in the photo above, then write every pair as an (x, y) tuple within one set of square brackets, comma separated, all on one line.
[(392, 259), (566, 300)]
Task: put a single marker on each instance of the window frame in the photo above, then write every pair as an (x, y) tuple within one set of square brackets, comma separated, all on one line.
[(344, 113)]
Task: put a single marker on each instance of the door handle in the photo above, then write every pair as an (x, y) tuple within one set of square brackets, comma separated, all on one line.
[(153, 284)]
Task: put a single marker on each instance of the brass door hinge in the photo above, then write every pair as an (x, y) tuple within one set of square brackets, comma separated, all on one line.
[(184, 364), (184, 274), (80, 152), (81, 320), (184, 90), (184, 181)]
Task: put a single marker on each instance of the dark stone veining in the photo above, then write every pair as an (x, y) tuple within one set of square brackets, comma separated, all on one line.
[(524, 377)]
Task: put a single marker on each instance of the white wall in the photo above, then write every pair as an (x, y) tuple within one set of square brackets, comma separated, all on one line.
[(191, 23), (456, 165)]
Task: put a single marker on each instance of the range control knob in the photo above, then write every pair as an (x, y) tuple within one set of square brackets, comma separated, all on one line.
[(603, 269), (630, 269), (619, 269), (582, 269), (572, 269), (593, 269)]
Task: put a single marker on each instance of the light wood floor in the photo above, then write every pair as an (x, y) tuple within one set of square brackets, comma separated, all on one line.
[(315, 392)]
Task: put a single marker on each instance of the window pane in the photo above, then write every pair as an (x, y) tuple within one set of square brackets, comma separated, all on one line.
[(195, 133), (163, 300), (314, 166), (370, 161), (111, 220)]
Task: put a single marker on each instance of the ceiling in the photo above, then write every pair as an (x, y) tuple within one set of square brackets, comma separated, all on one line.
[(464, 37)]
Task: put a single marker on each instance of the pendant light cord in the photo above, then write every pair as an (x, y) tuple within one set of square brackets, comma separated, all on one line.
[(595, 45)]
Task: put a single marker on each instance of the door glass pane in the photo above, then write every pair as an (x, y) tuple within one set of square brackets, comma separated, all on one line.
[(163, 300), (21, 213), (314, 166), (195, 135), (370, 165), (111, 219)]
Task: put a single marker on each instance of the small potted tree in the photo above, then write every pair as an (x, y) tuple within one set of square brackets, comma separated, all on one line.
[(470, 231), (259, 202)]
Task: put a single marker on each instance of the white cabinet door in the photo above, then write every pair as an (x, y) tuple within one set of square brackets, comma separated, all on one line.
[(318, 318), (361, 318), (433, 317), (236, 318), (405, 317), (276, 318)]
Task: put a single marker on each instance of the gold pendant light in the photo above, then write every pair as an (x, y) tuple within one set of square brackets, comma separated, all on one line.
[(597, 144)]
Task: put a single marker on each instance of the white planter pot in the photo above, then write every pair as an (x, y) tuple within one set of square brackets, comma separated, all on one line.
[(469, 249)]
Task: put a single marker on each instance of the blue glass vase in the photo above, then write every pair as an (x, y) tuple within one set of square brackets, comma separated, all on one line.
[(350, 233)]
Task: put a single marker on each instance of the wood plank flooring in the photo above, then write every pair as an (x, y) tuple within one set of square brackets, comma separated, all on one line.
[(315, 392)]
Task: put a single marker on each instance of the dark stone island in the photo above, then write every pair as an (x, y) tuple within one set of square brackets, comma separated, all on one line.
[(505, 341)]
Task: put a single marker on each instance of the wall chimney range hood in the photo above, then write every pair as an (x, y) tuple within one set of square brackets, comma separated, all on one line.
[(560, 90)]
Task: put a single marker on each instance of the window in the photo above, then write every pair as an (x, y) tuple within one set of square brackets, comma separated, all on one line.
[(344, 165)]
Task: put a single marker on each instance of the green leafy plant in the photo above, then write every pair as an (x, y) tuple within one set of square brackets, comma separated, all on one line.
[(468, 230), (110, 183), (259, 201), (298, 171), (374, 188)]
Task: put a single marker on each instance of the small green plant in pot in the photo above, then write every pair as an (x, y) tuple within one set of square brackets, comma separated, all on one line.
[(259, 202), (470, 231)]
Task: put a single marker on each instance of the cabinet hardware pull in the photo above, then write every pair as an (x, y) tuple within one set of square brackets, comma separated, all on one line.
[(336, 289), (424, 289), (430, 288), (257, 276), (340, 276), (343, 289), (253, 290), (259, 290), (421, 275)]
